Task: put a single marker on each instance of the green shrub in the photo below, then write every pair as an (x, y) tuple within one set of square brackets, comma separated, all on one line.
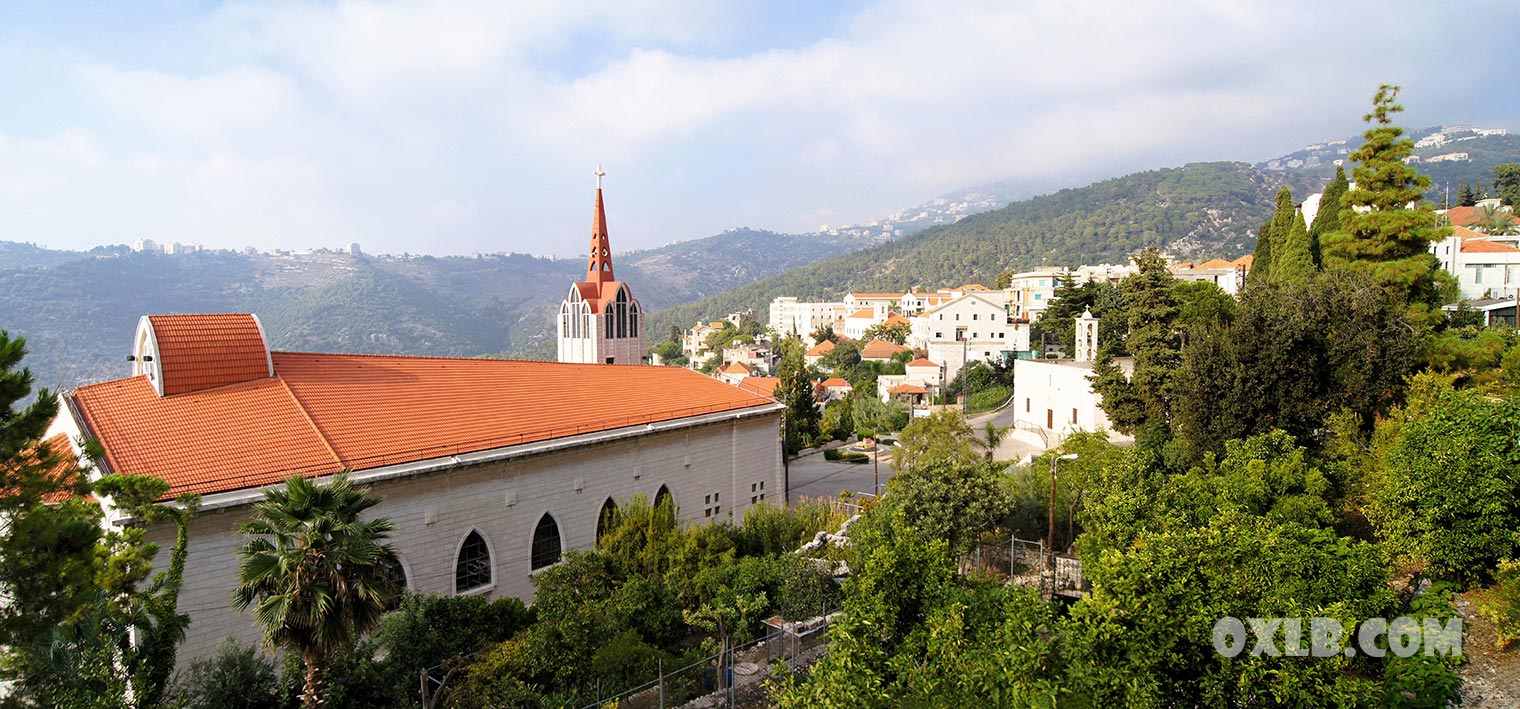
[(237, 677), (806, 590), (851, 457), (1503, 604), (770, 529), (625, 662), (832, 454), (989, 398)]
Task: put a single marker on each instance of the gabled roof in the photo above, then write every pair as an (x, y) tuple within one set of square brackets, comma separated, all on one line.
[(895, 318), (1244, 261), (323, 413), (907, 389), (737, 368), (865, 313), (973, 287), (880, 349), (923, 362), (820, 349), (1215, 263), (957, 301), (834, 382)]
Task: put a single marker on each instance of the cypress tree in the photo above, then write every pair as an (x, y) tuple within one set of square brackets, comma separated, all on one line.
[(1261, 259), (1295, 260), (1389, 237), (1328, 219), (796, 392), (1145, 397), (1465, 196)]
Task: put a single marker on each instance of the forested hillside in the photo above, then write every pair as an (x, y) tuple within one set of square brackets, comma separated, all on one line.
[(1199, 210), (78, 310)]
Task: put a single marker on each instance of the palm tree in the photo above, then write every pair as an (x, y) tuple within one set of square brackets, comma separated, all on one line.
[(995, 436), (1492, 220), (316, 575)]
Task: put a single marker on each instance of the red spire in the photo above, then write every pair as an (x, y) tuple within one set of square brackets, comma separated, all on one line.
[(599, 265)]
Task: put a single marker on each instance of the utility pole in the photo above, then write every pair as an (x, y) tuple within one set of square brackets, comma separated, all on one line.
[(965, 365), (875, 469)]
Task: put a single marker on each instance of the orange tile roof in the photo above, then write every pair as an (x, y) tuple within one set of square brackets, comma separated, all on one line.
[(834, 382), (764, 386), (880, 349), (876, 296), (1487, 247), (737, 368), (1470, 216), (866, 313), (1244, 261), (1215, 263), (894, 318), (1462, 232), (907, 389), (323, 413), (820, 349), (922, 362), (211, 350), (973, 287)]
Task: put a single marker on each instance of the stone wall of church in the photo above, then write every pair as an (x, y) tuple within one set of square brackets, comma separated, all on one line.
[(713, 471)]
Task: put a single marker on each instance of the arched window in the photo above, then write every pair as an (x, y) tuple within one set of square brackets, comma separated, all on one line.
[(545, 542), (664, 499), (604, 518), (472, 569), (397, 574), (633, 321), (611, 329), (622, 312)]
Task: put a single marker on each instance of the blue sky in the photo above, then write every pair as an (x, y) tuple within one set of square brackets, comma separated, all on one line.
[(461, 127)]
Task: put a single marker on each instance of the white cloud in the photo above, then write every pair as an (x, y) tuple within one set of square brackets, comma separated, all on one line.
[(471, 125)]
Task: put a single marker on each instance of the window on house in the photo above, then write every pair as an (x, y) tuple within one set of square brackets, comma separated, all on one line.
[(472, 567), (546, 547), (973, 316), (1073, 415), (1039, 296), (1026, 404), (397, 575)]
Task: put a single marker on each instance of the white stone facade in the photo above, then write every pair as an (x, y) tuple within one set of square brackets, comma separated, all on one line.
[(714, 466)]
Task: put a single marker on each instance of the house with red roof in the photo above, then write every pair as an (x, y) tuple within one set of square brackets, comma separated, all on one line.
[(490, 469), (1485, 265)]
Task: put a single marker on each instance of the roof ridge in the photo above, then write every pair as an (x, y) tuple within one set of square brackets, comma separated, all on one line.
[(322, 436), (377, 355)]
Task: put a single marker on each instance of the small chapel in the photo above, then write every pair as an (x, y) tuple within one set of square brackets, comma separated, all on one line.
[(600, 322)]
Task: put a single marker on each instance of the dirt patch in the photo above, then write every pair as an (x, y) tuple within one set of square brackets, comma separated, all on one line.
[(1491, 677)]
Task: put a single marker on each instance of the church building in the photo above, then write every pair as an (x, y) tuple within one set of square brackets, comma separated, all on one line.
[(600, 322), (489, 469)]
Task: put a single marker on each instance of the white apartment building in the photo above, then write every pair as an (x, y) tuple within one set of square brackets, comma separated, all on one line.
[(1485, 266), (789, 315), (974, 326)]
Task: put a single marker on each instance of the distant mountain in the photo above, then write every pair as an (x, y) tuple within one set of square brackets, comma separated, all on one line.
[(78, 310), (1450, 155), (1200, 210)]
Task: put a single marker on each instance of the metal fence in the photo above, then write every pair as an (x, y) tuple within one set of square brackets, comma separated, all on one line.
[(733, 678), (1022, 562)]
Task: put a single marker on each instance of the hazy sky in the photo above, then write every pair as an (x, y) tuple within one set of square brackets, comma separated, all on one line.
[(457, 127)]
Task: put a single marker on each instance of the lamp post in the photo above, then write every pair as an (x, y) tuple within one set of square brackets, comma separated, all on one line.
[(1050, 539)]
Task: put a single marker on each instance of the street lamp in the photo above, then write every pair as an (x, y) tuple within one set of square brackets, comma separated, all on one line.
[(1050, 539)]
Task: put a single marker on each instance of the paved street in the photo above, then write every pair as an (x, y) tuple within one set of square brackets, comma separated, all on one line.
[(812, 476)]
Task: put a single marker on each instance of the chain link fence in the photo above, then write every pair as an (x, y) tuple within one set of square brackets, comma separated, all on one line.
[(1022, 562)]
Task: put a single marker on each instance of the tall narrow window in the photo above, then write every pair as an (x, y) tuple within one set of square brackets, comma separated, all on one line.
[(663, 499), (545, 542), (604, 518), (633, 321), (397, 575), (472, 569)]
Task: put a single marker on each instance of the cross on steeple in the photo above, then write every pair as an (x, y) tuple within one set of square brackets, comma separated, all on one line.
[(599, 174)]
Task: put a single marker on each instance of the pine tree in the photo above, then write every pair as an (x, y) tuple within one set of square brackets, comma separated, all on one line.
[(1295, 261), (1388, 231), (796, 392), (1145, 397), (1328, 218), (1507, 182), (1465, 195)]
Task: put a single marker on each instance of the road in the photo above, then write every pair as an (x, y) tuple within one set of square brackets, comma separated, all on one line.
[(812, 476)]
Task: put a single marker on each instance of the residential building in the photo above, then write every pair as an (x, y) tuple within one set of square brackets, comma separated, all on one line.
[(489, 469), (816, 354), (1485, 266), (834, 388), (694, 344), (1054, 398), (921, 373), (972, 327), (881, 351), (600, 322), (732, 373), (789, 315)]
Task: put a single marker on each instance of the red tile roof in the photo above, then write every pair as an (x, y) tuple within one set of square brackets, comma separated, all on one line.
[(907, 389), (922, 362), (820, 349), (764, 386), (866, 313), (834, 382), (880, 349), (737, 368), (1470, 216), (211, 350), (876, 296), (895, 318), (1244, 261), (1487, 247), (323, 413), (1215, 263)]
